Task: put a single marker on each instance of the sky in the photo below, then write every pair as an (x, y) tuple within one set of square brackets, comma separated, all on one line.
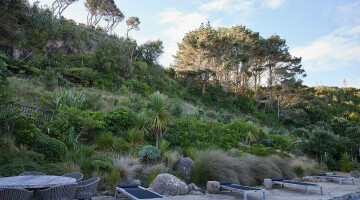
[(325, 33)]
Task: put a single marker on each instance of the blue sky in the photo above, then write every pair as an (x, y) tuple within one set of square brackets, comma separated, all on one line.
[(325, 33)]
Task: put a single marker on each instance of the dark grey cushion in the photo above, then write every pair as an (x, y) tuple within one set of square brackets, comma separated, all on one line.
[(225, 183), (277, 179), (127, 185)]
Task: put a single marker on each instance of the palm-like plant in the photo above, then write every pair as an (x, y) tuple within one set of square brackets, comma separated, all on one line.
[(142, 125), (160, 114), (251, 137)]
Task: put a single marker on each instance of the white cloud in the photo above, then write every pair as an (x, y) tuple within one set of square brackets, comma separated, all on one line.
[(244, 6), (274, 3), (180, 24), (331, 52), (348, 13)]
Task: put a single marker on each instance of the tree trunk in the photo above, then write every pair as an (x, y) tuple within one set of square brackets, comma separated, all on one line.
[(278, 109), (204, 84), (157, 139)]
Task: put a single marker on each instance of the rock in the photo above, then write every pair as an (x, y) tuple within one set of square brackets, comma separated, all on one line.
[(167, 184), (309, 179), (355, 174), (193, 187), (213, 187), (107, 193), (348, 196), (138, 182), (184, 166), (297, 179), (195, 192), (268, 184)]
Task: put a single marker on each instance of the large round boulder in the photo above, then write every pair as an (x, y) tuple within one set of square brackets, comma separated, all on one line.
[(184, 166), (167, 184)]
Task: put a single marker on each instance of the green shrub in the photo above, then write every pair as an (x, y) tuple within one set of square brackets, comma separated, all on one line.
[(25, 129), (299, 171), (81, 75), (85, 123), (331, 163), (260, 150), (149, 152), (105, 141), (281, 142), (345, 163), (119, 120), (53, 149), (102, 162), (14, 164)]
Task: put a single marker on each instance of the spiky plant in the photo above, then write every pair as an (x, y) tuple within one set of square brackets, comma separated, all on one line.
[(142, 125), (160, 114)]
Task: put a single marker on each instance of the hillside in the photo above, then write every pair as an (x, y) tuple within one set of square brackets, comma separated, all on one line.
[(118, 114)]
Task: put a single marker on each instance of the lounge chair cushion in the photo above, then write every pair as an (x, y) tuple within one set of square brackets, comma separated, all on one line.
[(320, 175), (241, 187), (277, 179), (127, 185), (299, 183), (141, 193), (225, 183)]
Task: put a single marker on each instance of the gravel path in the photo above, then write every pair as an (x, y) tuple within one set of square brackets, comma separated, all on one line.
[(277, 193)]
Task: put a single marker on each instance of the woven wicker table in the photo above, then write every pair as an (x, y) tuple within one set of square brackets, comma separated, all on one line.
[(35, 182)]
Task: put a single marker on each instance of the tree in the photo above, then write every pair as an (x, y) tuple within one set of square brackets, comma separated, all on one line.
[(353, 133), (113, 17), (160, 114), (132, 23), (321, 141), (107, 9), (150, 51), (251, 137), (59, 6)]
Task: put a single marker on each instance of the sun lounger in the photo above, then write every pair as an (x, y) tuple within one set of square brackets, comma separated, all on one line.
[(283, 182), (133, 191), (240, 188), (339, 178)]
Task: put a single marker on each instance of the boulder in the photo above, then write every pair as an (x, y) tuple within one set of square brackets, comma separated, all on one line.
[(355, 174), (138, 182), (268, 184), (213, 187), (167, 184), (309, 179), (195, 193), (193, 187), (184, 166)]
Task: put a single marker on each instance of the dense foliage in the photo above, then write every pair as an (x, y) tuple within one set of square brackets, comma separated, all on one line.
[(118, 114)]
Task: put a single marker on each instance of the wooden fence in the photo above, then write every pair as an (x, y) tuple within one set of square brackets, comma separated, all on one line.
[(35, 113)]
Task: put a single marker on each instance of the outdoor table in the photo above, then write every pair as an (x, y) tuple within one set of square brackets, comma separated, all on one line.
[(35, 182)]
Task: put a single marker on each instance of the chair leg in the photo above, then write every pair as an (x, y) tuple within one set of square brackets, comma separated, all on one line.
[(264, 195), (245, 196), (307, 191)]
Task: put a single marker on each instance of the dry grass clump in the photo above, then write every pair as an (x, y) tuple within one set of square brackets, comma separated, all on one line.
[(283, 165), (70, 166), (126, 166), (308, 165), (171, 157), (217, 165), (214, 166), (154, 170)]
